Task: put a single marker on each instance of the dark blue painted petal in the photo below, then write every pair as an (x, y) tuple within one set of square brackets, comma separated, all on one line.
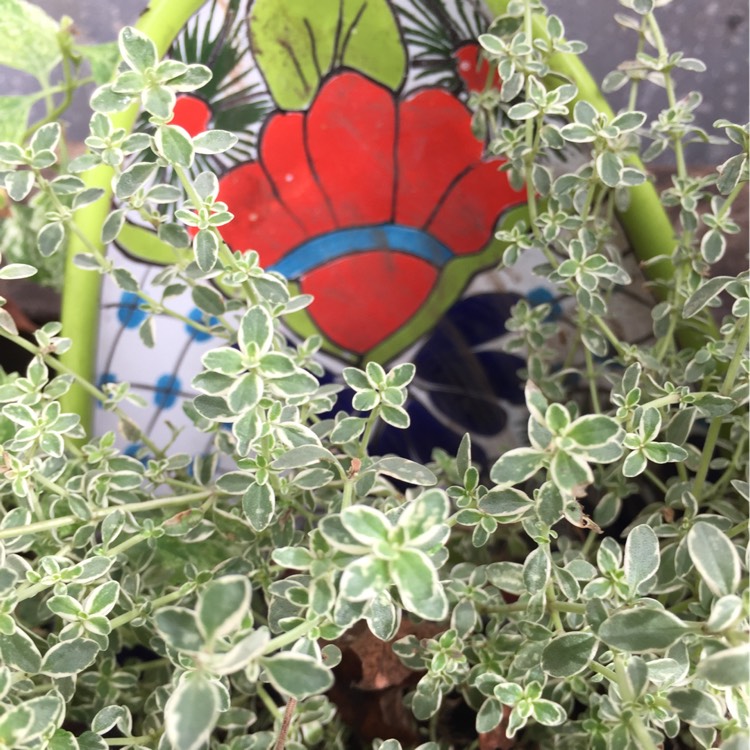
[(502, 374), (473, 412), (481, 317), (424, 435), (446, 364), (540, 295)]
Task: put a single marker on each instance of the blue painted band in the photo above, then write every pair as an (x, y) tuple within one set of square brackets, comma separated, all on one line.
[(327, 247)]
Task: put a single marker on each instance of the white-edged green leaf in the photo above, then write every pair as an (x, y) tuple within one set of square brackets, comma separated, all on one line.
[(367, 525), (69, 657), (191, 712), (137, 49), (517, 465), (174, 144), (421, 516), (102, 600), (17, 271), (18, 650), (642, 629), (177, 626), (364, 579), (725, 613), (609, 168), (569, 472), (641, 556), (536, 571), (506, 505), (222, 606), (568, 654), (297, 674), (348, 428), (405, 470), (214, 142), (705, 294), (489, 716), (418, 585), (206, 250), (548, 713), (302, 455), (259, 505), (109, 716), (19, 184), (715, 558), (696, 707), (727, 668), (256, 330)]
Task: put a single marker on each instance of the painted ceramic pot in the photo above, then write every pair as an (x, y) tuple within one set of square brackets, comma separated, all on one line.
[(357, 175)]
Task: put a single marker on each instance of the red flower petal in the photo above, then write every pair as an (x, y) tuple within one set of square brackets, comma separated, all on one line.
[(283, 154), (435, 146), (362, 299), (468, 213), (351, 129), (472, 69), (192, 114), (261, 222)]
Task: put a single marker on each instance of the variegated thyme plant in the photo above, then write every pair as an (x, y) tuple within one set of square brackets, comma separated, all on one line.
[(588, 591)]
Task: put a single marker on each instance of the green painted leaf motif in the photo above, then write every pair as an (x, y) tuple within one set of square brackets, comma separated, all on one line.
[(296, 44)]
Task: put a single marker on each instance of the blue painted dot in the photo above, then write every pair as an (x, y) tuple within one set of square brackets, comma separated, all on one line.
[(200, 317), (102, 380), (105, 378), (129, 311), (134, 450), (541, 295), (167, 391)]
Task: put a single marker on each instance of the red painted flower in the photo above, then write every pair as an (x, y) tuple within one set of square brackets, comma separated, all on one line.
[(474, 69), (364, 199), (192, 114)]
